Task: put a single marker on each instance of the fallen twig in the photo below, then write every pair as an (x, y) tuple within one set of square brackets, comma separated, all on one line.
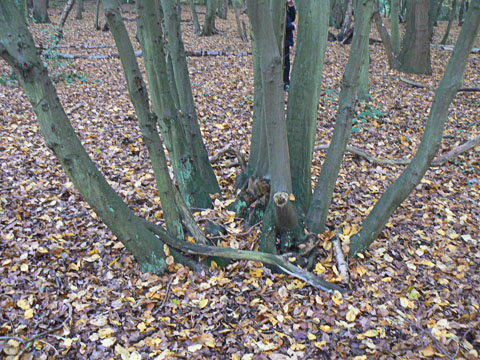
[(420, 85), (468, 145), (138, 53), (341, 262)]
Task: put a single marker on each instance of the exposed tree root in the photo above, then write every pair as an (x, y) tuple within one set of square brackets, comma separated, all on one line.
[(341, 262), (280, 262), (229, 150)]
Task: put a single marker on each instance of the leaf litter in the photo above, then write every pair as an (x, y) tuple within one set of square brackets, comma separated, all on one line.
[(69, 289)]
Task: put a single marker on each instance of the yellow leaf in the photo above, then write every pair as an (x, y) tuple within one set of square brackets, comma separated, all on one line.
[(320, 344), (28, 313), (106, 332), (135, 356), (202, 303), (170, 260), (92, 258), (351, 316), (404, 302), (124, 353), (23, 304), (108, 342), (337, 298), (166, 249), (325, 328), (141, 326), (428, 351), (311, 337), (291, 197)]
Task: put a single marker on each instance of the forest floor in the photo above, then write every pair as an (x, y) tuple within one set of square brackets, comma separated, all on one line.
[(69, 290)]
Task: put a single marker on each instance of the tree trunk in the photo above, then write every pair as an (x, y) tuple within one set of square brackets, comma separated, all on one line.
[(146, 119), (97, 12), (451, 15), (22, 8), (415, 55), (243, 36), (196, 23), (461, 13), (209, 24), (66, 11), (80, 9), (395, 26), (205, 181), (347, 21), (304, 95), (322, 197), (40, 14), (62, 140), (431, 140)]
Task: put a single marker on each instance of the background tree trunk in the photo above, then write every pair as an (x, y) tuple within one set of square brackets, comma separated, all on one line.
[(196, 23), (23, 8), (395, 26), (415, 54), (431, 140), (451, 16), (80, 9), (40, 14), (209, 24)]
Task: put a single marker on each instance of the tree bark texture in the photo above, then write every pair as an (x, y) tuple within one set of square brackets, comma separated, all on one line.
[(206, 181), (304, 95), (209, 23), (394, 25), (431, 140), (272, 72), (80, 9), (196, 23), (322, 197)]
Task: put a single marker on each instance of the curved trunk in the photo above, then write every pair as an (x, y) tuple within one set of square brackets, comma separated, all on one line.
[(451, 15), (62, 140), (196, 23), (431, 140)]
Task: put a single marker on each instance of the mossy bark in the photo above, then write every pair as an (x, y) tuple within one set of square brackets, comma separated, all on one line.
[(147, 120), (322, 197), (196, 23), (201, 170), (431, 140), (18, 49), (209, 23)]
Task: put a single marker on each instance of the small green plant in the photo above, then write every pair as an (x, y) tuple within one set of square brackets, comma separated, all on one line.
[(59, 68), (368, 112)]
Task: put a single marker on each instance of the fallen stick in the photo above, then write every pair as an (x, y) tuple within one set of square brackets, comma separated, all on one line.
[(138, 53), (466, 146), (420, 85)]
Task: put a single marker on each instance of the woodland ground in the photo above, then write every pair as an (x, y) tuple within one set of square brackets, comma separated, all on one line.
[(73, 290)]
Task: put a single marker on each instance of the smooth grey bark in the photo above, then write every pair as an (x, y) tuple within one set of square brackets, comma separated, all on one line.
[(304, 95), (62, 140), (80, 9), (40, 13), (240, 29), (204, 176), (146, 119), (322, 197), (415, 54), (431, 139), (272, 71), (391, 54), (209, 23), (347, 21), (394, 25)]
